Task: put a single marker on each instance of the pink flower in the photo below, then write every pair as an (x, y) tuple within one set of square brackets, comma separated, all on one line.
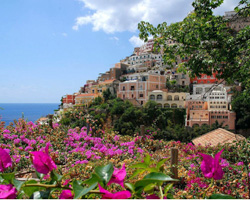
[(240, 164), (224, 163), (66, 182), (118, 176), (66, 194), (43, 163), (211, 167), (5, 160), (8, 192), (118, 195), (192, 165), (6, 131)]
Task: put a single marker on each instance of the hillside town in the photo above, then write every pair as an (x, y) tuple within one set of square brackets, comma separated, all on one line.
[(144, 76)]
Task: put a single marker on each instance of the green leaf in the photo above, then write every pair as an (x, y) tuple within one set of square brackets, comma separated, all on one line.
[(152, 169), (105, 172), (221, 196), (130, 186), (18, 184), (39, 175), (161, 162), (55, 176), (30, 190), (153, 177), (40, 195), (170, 196), (144, 182), (79, 191), (138, 171), (159, 177), (94, 179), (8, 177), (147, 159), (150, 187), (168, 187), (139, 165)]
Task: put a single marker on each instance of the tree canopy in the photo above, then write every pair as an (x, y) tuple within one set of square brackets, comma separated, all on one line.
[(208, 41)]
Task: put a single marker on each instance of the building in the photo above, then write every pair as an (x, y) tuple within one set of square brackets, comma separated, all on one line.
[(235, 21), (85, 99), (180, 78), (166, 99), (208, 104), (205, 79), (138, 87), (216, 137)]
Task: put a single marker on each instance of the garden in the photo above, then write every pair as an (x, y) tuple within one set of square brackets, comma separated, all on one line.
[(43, 162)]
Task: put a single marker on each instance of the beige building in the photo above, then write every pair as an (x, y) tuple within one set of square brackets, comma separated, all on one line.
[(168, 99), (137, 89), (85, 99), (112, 85)]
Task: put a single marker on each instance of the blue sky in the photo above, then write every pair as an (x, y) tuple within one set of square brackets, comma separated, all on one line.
[(50, 48)]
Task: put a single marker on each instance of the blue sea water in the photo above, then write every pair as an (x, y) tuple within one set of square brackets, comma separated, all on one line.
[(31, 111)]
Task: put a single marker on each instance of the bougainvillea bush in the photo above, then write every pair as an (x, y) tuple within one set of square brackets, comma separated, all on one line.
[(38, 161)]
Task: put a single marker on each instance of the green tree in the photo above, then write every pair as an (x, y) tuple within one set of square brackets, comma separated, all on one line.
[(241, 105), (207, 40)]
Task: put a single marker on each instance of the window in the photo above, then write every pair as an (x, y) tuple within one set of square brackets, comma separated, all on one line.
[(132, 87), (169, 98), (166, 105), (132, 96), (174, 105), (157, 86), (123, 88), (213, 117), (152, 97), (141, 95), (219, 117), (176, 98), (198, 90), (159, 97)]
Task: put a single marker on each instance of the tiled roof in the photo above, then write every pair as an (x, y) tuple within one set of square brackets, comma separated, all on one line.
[(86, 95), (218, 136), (107, 81)]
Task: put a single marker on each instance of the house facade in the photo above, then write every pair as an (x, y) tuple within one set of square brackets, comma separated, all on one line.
[(166, 99), (139, 87)]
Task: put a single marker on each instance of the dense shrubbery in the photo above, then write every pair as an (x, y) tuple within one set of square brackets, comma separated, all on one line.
[(123, 117), (71, 163)]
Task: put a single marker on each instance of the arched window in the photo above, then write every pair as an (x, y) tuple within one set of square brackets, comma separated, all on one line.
[(176, 97), (159, 105), (159, 97), (166, 105), (152, 97), (173, 105), (195, 125), (169, 98)]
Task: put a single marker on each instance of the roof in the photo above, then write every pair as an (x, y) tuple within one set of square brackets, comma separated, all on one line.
[(43, 119), (107, 81), (157, 91), (86, 95), (218, 136)]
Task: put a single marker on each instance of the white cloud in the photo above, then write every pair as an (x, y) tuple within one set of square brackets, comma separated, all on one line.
[(114, 38), (64, 34), (136, 41), (113, 16)]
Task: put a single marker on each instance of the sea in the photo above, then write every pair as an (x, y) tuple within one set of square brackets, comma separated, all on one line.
[(29, 111)]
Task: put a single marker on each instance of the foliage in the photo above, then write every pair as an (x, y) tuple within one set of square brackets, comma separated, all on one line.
[(207, 40), (241, 105), (86, 163)]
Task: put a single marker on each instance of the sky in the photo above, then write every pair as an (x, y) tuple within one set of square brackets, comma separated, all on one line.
[(49, 48)]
